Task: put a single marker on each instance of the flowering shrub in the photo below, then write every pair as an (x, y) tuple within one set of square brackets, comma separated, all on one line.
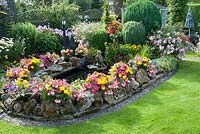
[(66, 53), (99, 82), (114, 26), (169, 42), (18, 72), (55, 90), (82, 49), (141, 62), (151, 70), (94, 34), (59, 32), (122, 73), (122, 52), (48, 59), (5, 45), (30, 63), (16, 87), (84, 30)]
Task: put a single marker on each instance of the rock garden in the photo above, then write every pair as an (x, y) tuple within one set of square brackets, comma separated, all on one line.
[(61, 72)]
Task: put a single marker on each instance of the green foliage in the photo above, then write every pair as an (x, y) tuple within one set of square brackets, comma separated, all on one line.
[(167, 63), (84, 4), (98, 38), (97, 4), (25, 31), (134, 33), (106, 18), (92, 52), (196, 14), (16, 52), (56, 13), (94, 33), (94, 15), (146, 51), (35, 41), (10, 50), (161, 2), (52, 14), (146, 12), (115, 53), (47, 42), (177, 12)]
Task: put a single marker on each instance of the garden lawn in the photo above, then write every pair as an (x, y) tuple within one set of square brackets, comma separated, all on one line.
[(172, 108)]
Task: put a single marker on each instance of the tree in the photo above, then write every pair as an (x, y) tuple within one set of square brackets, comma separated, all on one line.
[(97, 4), (84, 4), (177, 12)]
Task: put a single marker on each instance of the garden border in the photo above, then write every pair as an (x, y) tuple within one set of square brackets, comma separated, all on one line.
[(102, 111)]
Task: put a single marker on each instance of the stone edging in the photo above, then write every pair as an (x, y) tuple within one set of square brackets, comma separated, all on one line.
[(140, 92)]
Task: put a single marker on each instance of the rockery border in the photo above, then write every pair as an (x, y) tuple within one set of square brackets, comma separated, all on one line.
[(144, 89)]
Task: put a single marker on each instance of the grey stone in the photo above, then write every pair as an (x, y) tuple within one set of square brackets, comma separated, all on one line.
[(40, 73), (49, 110), (18, 107), (65, 65), (109, 98), (4, 97), (29, 106), (142, 76), (86, 101), (55, 68), (98, 96), (119, 93), (67, 108), (37, 110)]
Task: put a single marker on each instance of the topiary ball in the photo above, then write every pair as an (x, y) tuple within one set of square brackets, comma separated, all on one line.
[(134, 33), (146, 12)]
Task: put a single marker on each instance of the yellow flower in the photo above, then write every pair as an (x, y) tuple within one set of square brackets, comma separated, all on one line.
[(131, 72), (66, 92), (119, 75), (124, 77), (26, 86), (103, 88), (18, 82), (145, 64), (25, 82), (62, 88), (47, 86), (139, 63), (32, 67), (8, 74), (127, 70)]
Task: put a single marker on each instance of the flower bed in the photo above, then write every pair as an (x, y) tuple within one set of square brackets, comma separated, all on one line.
[(44, 98)]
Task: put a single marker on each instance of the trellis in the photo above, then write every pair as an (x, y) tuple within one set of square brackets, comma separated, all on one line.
[(7, 18)]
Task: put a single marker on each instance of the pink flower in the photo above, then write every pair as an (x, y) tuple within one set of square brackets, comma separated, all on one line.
[(57, 101)]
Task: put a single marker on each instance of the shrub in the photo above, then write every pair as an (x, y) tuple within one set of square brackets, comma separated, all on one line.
[(10, 50), (167, 63), (25, 31), (177, 12), (52, 14), (56, 13), (93, 33), (169, 41), (116, 53), (134, 33), (146, 12), (47, 42)]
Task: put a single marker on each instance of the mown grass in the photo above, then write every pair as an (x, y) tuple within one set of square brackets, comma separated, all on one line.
[(172, 108)]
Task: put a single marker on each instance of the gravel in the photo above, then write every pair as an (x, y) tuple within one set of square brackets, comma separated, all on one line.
[(54, 123)]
